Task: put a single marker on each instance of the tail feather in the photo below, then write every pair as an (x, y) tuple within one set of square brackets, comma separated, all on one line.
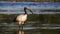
[(15, 19)]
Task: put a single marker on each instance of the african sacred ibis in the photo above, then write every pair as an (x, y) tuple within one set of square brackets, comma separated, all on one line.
[(23, 17)]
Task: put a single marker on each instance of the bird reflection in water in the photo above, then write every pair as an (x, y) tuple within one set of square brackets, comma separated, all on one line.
[(21, 19), (20, 32)]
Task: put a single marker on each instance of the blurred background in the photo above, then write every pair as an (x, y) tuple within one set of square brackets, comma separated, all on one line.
[(46, 21), (32, 0)]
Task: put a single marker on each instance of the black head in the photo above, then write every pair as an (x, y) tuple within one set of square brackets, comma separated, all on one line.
[(25, 8)]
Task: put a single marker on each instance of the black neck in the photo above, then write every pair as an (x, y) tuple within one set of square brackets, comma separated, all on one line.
[(25, 11)]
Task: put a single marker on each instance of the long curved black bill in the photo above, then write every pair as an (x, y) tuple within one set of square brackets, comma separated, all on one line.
[(30, 11)]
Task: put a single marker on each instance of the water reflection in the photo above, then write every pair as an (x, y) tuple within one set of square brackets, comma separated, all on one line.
[(39, 24), (21, 32)]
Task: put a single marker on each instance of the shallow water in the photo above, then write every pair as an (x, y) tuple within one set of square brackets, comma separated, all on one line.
[(35, 24)]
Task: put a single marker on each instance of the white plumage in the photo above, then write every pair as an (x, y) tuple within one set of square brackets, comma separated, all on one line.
[(23, 17)]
